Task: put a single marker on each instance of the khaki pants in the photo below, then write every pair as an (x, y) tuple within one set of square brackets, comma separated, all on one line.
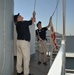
[(23, 52), (42, 48)]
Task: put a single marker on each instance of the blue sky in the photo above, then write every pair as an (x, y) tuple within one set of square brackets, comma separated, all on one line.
[(44, 9)]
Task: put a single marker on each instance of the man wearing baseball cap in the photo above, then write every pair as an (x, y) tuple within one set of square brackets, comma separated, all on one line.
[(23, 43)]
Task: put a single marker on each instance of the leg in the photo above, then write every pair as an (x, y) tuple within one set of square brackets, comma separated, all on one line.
[(44, 46), (39, 51), (26, 56), (19, 58)]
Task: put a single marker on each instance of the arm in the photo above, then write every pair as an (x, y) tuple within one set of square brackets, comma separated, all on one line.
[(31, 21)]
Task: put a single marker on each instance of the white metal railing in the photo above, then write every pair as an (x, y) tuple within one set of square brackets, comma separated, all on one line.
[(69, 74), (69, 55), (58, 66)]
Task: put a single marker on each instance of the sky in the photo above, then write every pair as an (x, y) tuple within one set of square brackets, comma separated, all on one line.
[(44, 9)]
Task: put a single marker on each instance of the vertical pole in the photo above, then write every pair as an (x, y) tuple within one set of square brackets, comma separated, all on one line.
[(63, 37), (4, 36), (63, 14), (51, 55)]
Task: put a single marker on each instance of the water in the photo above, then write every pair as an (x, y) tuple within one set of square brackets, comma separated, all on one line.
[(70, 63)]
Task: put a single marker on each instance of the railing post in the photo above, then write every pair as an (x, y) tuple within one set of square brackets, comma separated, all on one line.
[(63, 37)]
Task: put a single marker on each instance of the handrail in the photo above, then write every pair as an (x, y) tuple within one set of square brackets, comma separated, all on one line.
[(58, 64)]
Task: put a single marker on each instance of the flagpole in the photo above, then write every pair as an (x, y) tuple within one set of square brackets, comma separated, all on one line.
[(63, 36), (63, 14)]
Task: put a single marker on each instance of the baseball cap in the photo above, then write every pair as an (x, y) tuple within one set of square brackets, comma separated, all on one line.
[(15, 17), (38, 23)]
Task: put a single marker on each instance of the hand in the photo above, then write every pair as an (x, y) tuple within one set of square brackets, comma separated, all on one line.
[(33, 18), (40, 39), (34, 13)]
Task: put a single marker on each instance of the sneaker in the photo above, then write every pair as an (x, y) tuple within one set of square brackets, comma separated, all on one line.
[(20, 73), (39, 62), (45, 63)]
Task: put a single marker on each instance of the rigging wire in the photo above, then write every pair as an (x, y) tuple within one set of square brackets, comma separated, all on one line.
[(55, 7), (34, 5), (56, 18), (35, 9)]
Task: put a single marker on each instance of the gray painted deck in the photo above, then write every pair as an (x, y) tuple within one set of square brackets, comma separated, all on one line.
[(34, 67), (42, 69)]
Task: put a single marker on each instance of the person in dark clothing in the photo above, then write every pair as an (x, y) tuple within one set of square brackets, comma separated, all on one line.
[(23, 43), (41, 37)]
